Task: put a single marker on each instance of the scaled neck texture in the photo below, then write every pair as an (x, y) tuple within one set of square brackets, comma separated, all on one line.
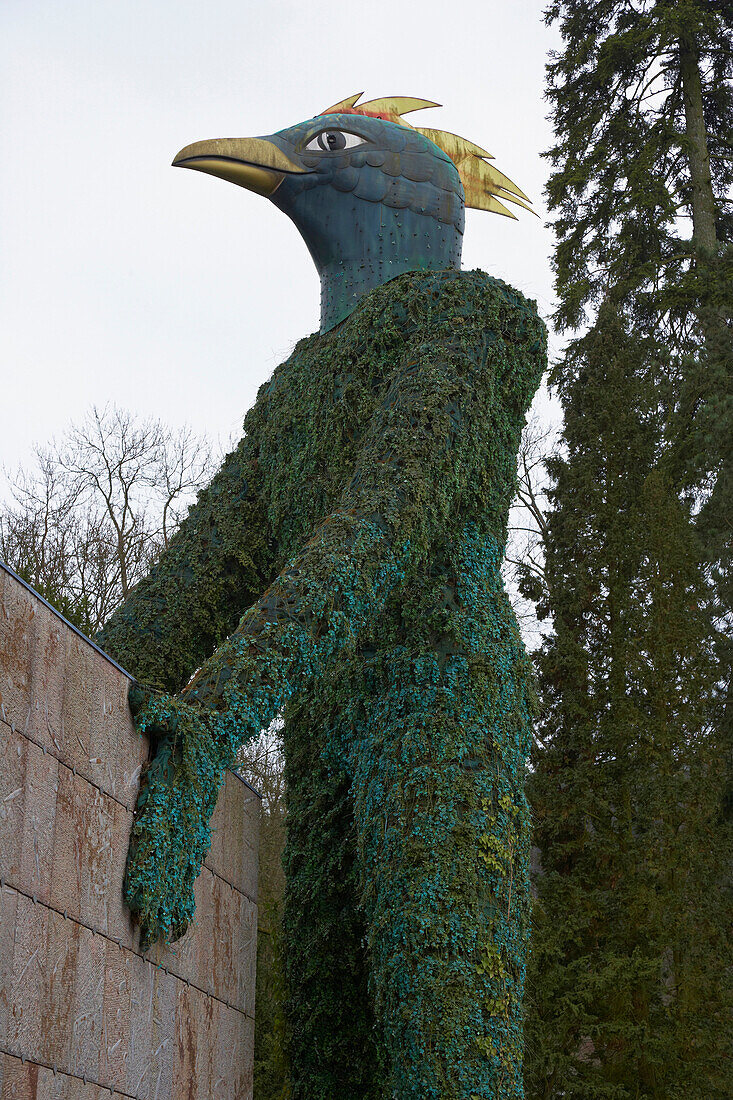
[(344, 284), (358, 245)]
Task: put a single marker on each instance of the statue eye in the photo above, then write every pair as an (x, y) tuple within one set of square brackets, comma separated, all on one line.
[(332, 141)]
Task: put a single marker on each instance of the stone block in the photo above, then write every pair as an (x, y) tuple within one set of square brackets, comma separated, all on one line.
[(82, 1012)]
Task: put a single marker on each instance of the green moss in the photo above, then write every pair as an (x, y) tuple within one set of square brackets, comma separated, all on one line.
[(360, 526)]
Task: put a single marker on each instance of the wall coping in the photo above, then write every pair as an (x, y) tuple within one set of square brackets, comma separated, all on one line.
[(75, 629)]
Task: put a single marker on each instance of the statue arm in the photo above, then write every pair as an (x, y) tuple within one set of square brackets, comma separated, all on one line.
[(214, 566), (452, 410), (453, 406), (412, 462)]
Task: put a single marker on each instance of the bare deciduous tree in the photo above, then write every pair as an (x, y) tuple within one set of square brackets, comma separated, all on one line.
[(261, 762), (524, 566), (86, 523)]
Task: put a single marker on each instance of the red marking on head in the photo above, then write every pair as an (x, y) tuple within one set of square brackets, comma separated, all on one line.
[(368, 114)]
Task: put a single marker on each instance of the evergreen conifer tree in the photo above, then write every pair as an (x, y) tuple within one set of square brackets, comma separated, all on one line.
[(629, 992)]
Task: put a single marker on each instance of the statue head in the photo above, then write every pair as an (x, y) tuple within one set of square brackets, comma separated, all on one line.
[(372, 196)]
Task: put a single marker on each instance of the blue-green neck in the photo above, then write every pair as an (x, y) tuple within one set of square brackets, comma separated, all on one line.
[(359, 242), (409, 242)]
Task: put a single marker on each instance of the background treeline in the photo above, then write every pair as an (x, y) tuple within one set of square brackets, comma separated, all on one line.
[(621, 548), (629, 990)]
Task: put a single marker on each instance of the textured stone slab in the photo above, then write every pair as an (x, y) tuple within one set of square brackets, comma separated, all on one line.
[(75, 992), (28, 1081), (93, 1009), (235, 830), (64, 842), (218, 1048), (66, 696)]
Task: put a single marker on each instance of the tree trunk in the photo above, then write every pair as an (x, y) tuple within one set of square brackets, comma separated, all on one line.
[(703, 201)]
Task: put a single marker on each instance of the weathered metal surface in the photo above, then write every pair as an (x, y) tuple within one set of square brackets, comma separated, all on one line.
[(75, 991), (249, 162), (372, 196)]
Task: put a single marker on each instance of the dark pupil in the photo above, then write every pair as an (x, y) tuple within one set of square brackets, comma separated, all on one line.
[(332, 139)]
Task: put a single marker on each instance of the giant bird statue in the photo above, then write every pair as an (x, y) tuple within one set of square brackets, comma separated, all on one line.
[(343, 570)]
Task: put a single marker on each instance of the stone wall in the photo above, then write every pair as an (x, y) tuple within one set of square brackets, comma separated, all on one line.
[(83, 1013)]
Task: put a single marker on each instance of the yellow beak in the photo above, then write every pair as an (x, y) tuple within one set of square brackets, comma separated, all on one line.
[(253, 163)]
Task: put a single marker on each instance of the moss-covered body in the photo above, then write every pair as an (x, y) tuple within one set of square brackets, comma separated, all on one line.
[(358, 531)]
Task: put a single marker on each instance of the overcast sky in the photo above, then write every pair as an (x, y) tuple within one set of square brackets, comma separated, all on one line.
[(176, 294)]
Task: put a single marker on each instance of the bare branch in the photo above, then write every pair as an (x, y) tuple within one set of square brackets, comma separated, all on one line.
[(527, 530), (85, 523)]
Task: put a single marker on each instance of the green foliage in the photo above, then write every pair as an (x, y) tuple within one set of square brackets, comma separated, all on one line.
[(262, 764), (271, 1075), (629, 989), (621, 188), (627, 992), (369, 500), (642, 98)]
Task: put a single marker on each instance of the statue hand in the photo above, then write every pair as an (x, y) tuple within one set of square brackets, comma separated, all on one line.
[(138, 695), (178, 792), (195, 737)]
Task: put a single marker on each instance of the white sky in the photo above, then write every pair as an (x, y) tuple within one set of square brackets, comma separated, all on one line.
[(176, 294)]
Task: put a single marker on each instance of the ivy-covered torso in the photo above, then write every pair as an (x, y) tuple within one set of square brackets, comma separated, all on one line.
[(344, 567), (310, 419), (315, 431)]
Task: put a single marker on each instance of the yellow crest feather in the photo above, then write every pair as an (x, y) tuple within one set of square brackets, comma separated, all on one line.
[(396, 105), (344, 105), (485, 187)]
